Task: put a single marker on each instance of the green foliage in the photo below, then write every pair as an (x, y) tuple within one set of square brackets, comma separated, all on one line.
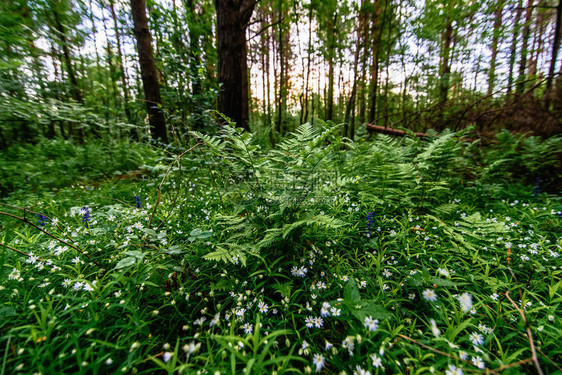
[(321, 254), (26, 168)]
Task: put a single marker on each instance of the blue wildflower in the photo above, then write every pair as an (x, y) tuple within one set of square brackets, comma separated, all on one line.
[(370, 220), (137, 201), (86, 217), (537, 187), (41, 220)]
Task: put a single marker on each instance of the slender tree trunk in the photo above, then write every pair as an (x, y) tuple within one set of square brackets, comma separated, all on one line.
[(513, 49), (364, 54), (388, 52), (149, 74), (309, 54), (232, 21), (350, 110), (282, 71), (195, 49), (524, 48), (331, 57), (75, 89), (112, 70), (121, 65), (498, 13), (376, 35), (445, 67), (555, 45)]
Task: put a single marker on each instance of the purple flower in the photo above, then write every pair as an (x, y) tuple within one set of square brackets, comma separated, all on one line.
[(370, 220), (537, 187), (137, 201), (41, 220), (86, 217)]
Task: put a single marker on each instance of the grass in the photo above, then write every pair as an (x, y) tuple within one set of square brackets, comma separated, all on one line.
[(323, 255)]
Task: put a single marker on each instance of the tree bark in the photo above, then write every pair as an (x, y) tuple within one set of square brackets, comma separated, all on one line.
[(524, 48), (149, 74), (376, 39), (513, 49), (555, 45), (445, 67), (498, 13), (122, 72), (232, 20)]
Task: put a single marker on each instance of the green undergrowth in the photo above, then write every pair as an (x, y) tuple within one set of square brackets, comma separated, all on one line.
[(57, 163), (387, 255)]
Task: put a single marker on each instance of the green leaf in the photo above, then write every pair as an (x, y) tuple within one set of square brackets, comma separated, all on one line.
[(351, 292), (7, 312), (173, 250), (135, 254), (370, 308), (443, 282), (126, 262)]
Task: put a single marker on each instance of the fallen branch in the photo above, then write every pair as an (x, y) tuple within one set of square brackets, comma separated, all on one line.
[(392, 131), (529, 335)]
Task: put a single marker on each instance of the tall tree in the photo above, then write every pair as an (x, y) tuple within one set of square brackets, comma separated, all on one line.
[(555, 44), (525, 47), (513, 48), (232, 21), (498, 13), (149, 74), (377, 27)]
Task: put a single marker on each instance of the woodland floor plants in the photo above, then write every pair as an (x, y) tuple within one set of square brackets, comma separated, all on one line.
[(376, 257)]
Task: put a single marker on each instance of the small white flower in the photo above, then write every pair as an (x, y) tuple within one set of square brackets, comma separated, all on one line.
[(465, 300), (478, 362), (436, 332), (248, 328), (377, 361), (443, 272), (453, 370), (167, 356), (318, 360), (371, 324), (476, 338), (324, 311), (430, 295)]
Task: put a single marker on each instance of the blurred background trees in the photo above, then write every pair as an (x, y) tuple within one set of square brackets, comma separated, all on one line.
[(71, 68)]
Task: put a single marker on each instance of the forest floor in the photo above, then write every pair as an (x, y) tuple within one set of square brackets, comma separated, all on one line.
[(387, 255)]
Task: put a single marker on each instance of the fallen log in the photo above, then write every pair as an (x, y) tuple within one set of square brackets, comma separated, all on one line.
[(392, 131)]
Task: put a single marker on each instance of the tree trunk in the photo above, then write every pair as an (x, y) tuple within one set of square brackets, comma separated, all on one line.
[(524, 48), (282, 99), (149, 74), (555, 45), (350, 110), (495, 41), (75, 90), (232, 20), (376, 39), (445, 66), (122, 72), (513, 49)]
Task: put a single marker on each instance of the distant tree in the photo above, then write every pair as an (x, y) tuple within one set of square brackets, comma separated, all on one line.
[(232, 21), (149, 74)]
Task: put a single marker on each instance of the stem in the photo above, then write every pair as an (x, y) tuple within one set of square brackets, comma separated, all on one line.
[(164, 179), (51, 235), (529, 334)]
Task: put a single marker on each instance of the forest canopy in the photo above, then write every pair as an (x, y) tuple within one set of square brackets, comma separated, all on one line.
[(74, 68)]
